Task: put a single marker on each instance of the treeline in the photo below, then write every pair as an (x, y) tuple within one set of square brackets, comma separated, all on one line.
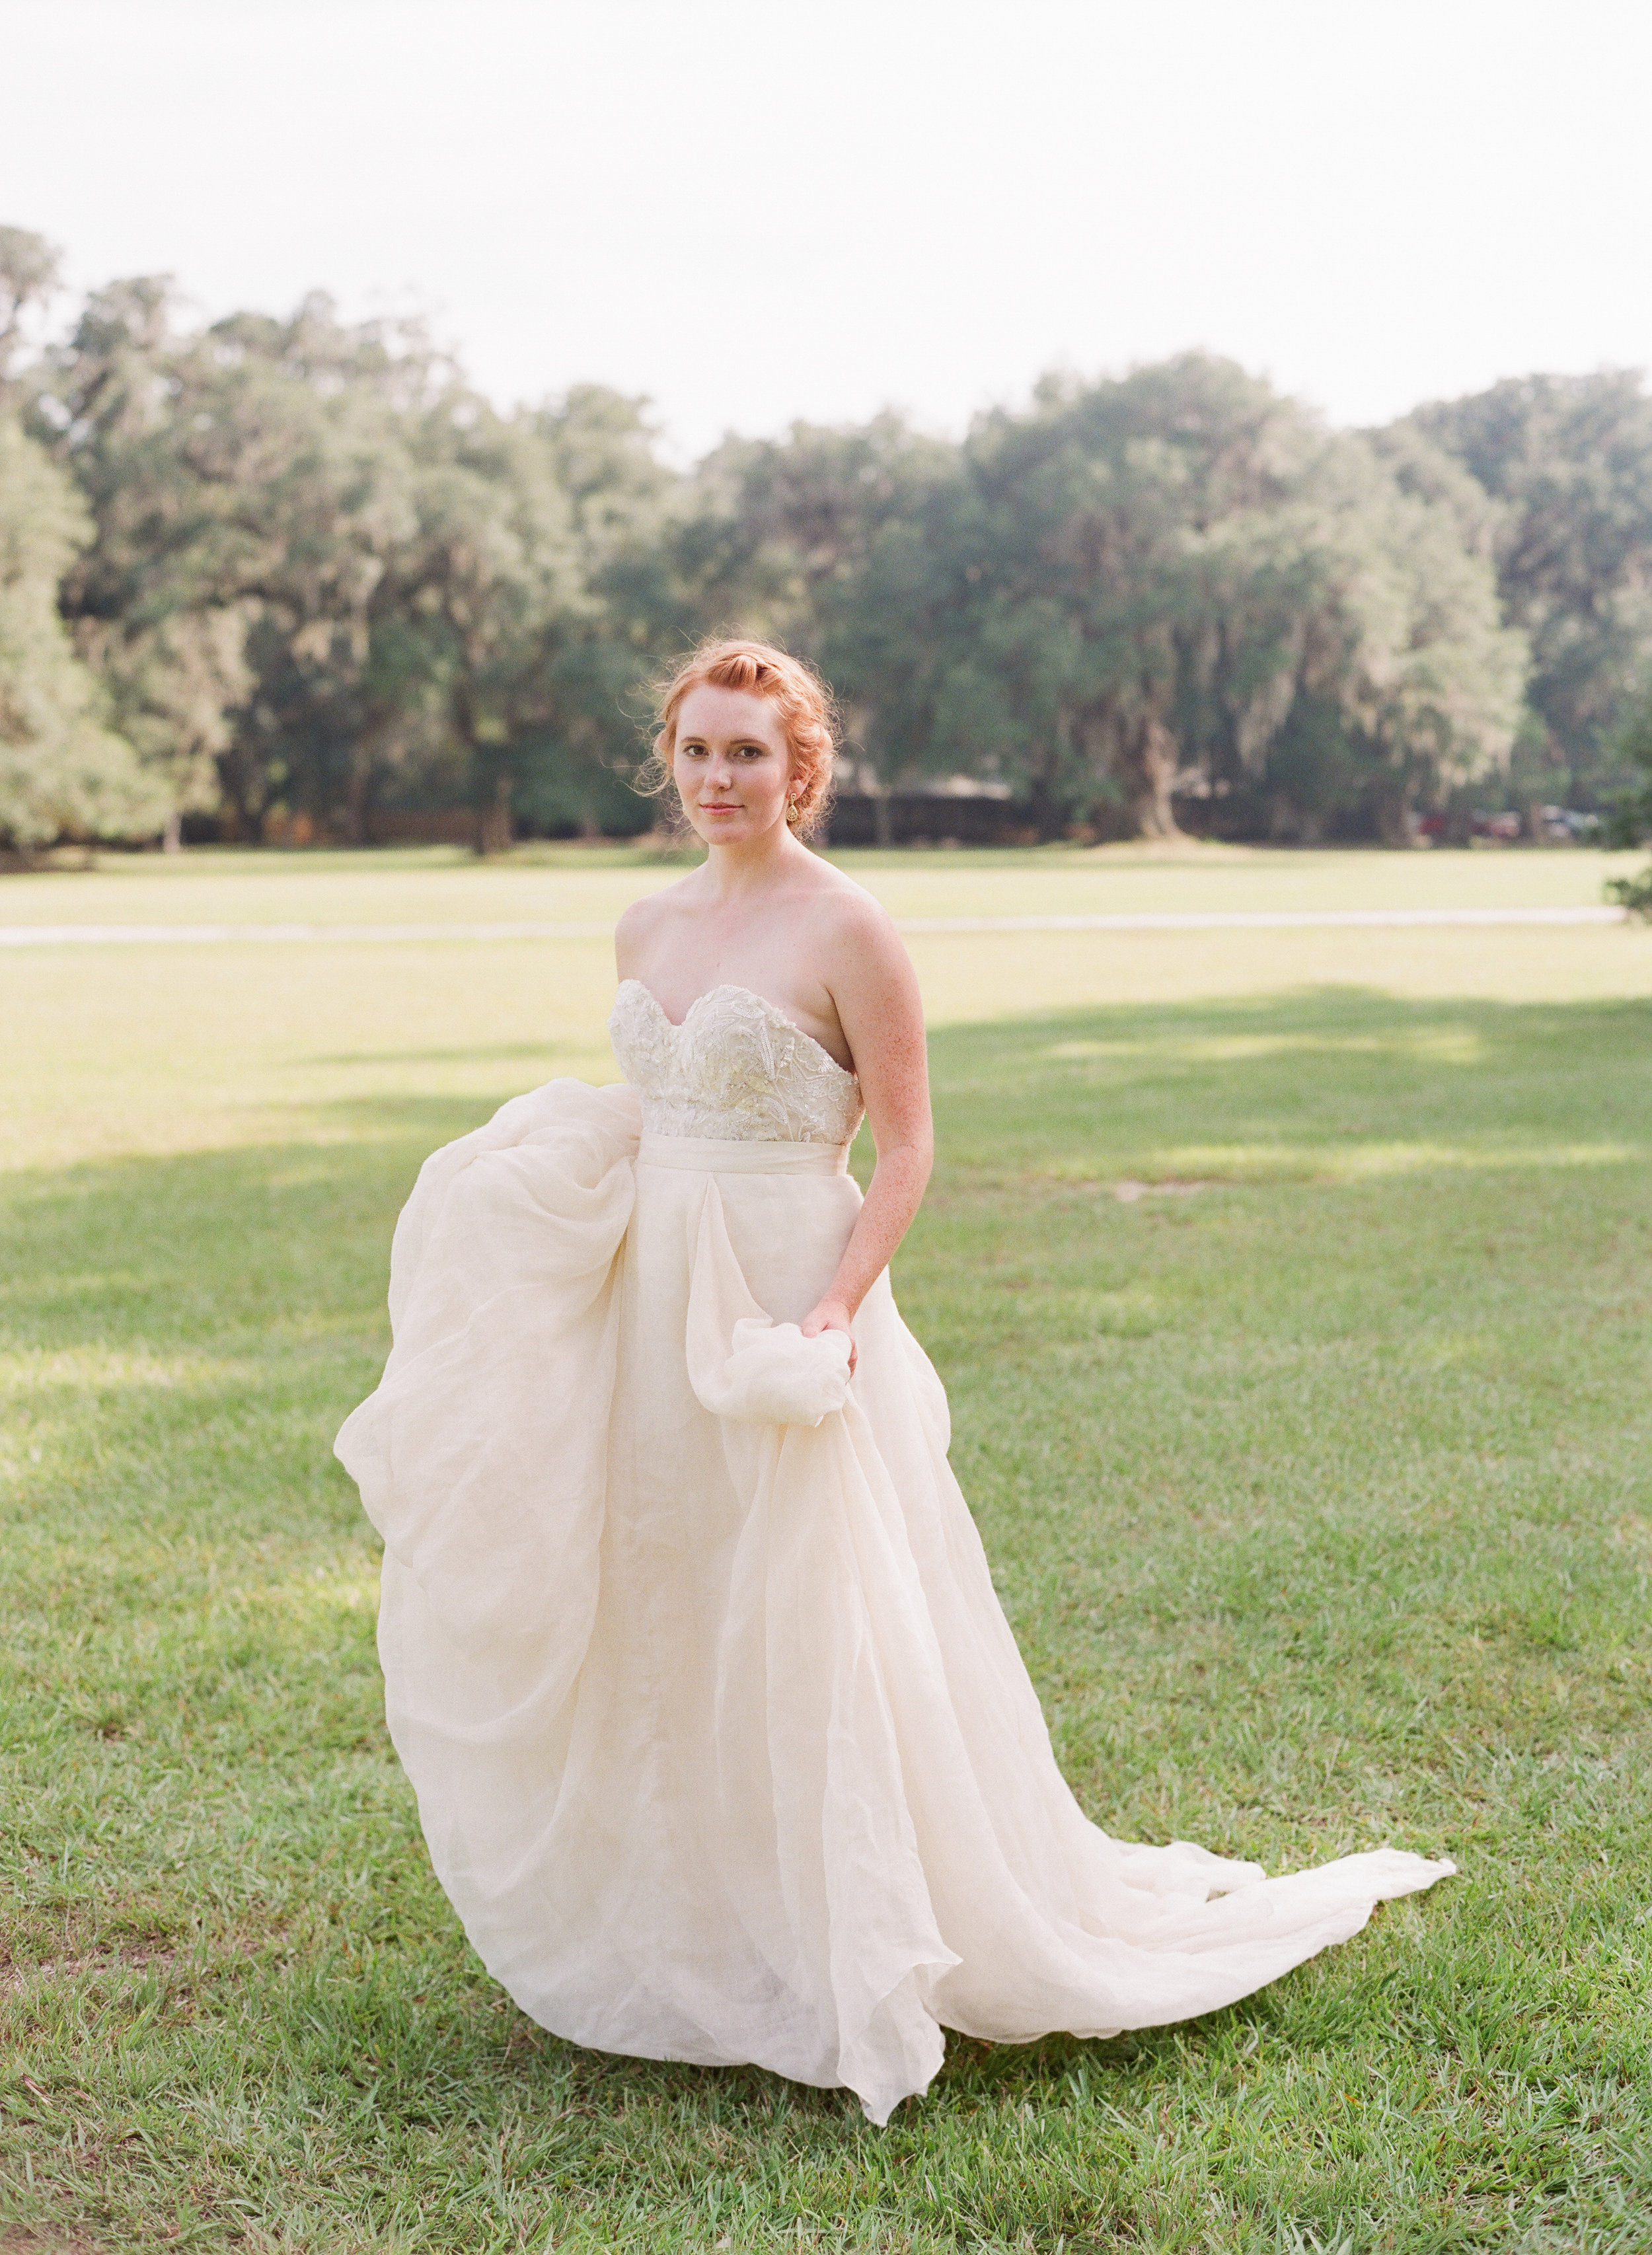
[(294, 576)]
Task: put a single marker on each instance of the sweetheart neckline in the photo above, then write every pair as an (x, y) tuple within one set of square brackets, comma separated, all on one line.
[(731, 986)]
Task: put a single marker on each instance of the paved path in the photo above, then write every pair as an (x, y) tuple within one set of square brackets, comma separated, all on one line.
[(152, 935)]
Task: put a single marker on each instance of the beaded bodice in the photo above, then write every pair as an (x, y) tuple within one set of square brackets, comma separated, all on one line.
[(736, 1069)]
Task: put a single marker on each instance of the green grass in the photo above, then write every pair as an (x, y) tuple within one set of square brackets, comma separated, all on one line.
[(1317, 1496)]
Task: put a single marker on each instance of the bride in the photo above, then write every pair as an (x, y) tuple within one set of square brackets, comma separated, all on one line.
[(723, 1748)]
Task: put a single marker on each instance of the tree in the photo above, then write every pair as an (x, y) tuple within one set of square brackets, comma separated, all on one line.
[(1181, 581), (62, 770), (247, 485), (490, 566), (627, 607), (28, 277), (1567, 462), (106, 404), (1631, 819), (1405, 672), (833, 542)]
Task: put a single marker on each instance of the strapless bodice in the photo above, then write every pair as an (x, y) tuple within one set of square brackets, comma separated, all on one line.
[(736, 1070)]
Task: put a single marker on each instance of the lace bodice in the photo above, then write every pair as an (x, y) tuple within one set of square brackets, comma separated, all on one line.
[(736, 1069)]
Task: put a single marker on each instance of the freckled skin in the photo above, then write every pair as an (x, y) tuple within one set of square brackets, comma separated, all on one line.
[(765, 913)]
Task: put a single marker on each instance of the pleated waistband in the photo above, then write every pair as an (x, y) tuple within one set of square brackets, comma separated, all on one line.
[(712, 1155)]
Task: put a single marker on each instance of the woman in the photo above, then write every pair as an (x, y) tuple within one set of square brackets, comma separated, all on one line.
[(723, 1748)]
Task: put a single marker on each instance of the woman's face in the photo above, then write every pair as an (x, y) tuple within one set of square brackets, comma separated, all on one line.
[(731, 764)]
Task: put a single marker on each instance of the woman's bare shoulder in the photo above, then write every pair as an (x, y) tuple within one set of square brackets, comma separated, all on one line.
[(653, 911), (843, 905), (852, 928)]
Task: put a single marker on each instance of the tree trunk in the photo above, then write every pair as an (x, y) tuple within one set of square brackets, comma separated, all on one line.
[(1157, 761), (1396, 820), (366, 754), (234, 819), (172, 838), (493, 819), (1046, 810), (355, 804)]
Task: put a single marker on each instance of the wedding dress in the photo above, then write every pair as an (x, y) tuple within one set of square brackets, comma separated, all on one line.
[(723, 1748)]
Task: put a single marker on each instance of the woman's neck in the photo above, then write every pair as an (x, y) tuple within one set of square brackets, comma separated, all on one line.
[(733, 873)]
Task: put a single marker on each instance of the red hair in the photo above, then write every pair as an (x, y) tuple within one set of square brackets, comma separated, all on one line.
[(799, 697)]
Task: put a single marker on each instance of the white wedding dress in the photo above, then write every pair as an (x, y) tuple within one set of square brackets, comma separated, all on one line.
[(723, 1748)]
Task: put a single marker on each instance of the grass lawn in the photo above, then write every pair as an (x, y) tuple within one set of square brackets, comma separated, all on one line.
[(1314, 1475)]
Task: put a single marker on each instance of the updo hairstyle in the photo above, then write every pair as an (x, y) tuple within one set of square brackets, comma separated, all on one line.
[(798, 694)]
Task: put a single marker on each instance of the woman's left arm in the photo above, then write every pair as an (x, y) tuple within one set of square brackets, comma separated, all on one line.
[(875, 989)]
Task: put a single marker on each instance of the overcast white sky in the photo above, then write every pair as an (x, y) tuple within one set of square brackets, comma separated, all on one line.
[(754, 210)]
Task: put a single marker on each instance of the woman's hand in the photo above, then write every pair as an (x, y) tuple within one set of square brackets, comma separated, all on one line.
[(830, 1315)]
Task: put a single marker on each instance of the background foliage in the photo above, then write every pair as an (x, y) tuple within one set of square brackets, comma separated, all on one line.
[(295, 577)]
